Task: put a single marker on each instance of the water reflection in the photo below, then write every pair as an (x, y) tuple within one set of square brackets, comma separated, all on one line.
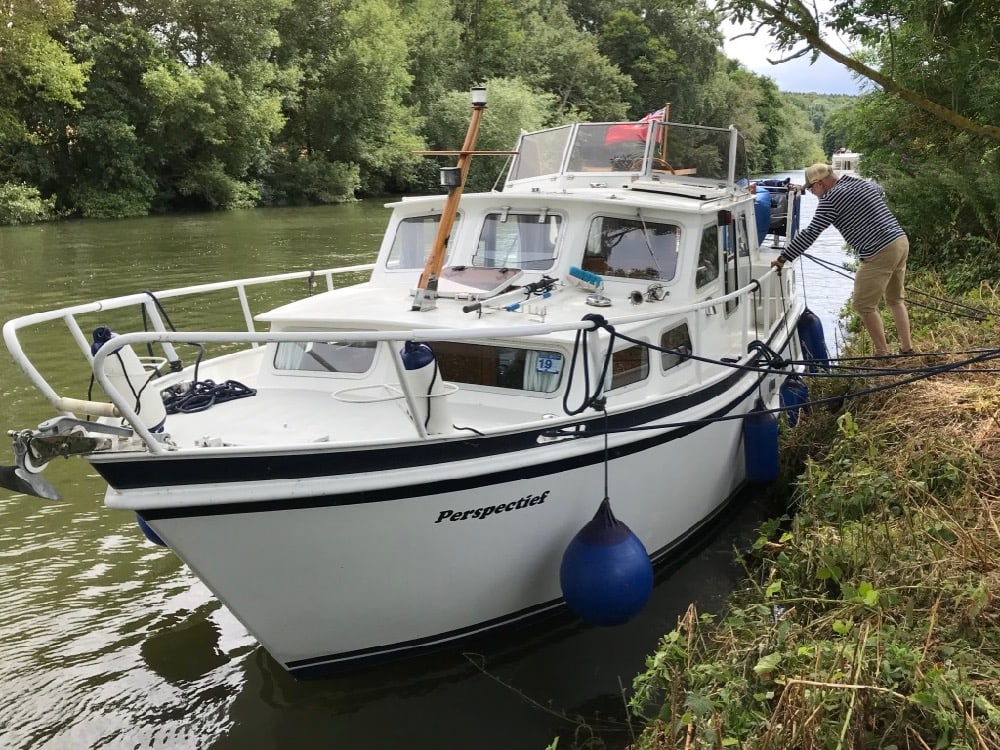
[(183, 648)]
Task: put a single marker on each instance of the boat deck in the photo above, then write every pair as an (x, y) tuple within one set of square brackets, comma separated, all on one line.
[(288, 416)]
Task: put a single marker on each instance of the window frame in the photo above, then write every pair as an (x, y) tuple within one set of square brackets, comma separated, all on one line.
[(684, 331), (485, 365), (432, 217), (552, 220), (598, 254), (628, 376)]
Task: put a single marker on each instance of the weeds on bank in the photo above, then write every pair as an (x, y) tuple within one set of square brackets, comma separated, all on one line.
[(868, 619)]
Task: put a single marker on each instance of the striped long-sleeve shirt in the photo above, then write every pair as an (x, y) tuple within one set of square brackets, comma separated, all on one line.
[(856, 208)]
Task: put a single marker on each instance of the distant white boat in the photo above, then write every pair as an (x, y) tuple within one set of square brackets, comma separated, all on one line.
[(846, 162), (402, 462)]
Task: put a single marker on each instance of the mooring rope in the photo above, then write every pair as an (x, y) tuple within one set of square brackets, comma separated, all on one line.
[(952, 307), (767, 362)]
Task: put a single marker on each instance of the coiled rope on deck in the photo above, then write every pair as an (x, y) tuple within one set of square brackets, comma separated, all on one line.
[(202, 394), (205, 393)]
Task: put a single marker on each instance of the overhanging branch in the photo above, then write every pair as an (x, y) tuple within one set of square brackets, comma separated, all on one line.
[(795, 17)]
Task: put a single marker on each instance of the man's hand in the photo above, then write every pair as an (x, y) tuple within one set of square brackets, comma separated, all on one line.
[(778, 262)]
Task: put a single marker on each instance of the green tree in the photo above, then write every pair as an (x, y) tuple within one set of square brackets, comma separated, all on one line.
[(512, 106), (434, 43), (964, 31), (668, 47), (772, 114), (107, 168), (35, 65), (39, 83), (492, 38), (798, 144), (566, 62), (215, 103), (836, 131), (348, 114), (942, 178), (591, 15)]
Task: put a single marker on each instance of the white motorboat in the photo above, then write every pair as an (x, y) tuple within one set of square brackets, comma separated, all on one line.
[(387, 467), (845, 162)]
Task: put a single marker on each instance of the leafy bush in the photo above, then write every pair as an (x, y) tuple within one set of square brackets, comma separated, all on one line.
[(209, 184), (93, 202), (869, 618), (23, 204), (309, 181)]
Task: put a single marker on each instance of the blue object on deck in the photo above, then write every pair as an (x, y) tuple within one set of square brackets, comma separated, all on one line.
[(148, 532), (586, 276), (606, 575), (793, 393), (785, 205), (762, 213), (415, 355), (810, 329), (760, 445)]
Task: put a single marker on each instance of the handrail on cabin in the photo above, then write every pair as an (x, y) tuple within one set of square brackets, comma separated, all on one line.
[(69, 315)]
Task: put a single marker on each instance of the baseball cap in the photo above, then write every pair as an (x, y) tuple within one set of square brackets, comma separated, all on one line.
[(817, 172)]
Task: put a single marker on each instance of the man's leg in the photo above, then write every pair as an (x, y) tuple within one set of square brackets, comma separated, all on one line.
[(895, 295), (872, 320), (869, 285)]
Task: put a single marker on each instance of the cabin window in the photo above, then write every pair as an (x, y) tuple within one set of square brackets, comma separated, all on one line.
[(743, 262), (678, 341), (743, 239), (629, 365), (414, 240), (708, 256), (632, 248), (325, 356), (518, 240), (540, 153), (499, 366), (737, 260), (729, 265)]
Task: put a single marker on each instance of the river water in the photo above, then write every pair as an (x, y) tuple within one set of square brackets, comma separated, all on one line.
[(109, 642)]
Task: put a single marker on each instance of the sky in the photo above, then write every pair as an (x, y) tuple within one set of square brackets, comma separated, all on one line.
[(823, 77)]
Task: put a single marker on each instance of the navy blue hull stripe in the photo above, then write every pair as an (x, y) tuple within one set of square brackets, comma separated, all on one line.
[(166, 471)]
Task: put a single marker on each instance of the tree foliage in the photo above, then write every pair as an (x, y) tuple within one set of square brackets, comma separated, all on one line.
[(928, 130), (120, 109), (668, 48), (944, 31), (37, 76)]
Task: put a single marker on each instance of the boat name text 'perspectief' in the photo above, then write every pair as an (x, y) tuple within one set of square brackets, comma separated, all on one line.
[(525, 502)]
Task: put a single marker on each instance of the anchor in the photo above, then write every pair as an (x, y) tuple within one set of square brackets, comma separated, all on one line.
[(23, 476), (33, 449)]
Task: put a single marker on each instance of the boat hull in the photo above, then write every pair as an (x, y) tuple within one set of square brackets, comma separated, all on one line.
[(400, 462), (328, 580)]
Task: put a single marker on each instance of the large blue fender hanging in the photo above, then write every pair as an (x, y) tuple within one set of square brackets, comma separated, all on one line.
[(760, 445), (793, 394), (810, 329), (606, 575)]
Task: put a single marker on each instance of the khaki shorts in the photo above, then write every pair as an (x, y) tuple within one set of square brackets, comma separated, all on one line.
[(881, 276)]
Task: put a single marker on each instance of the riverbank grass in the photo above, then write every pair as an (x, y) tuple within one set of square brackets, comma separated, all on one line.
[(869, 618)]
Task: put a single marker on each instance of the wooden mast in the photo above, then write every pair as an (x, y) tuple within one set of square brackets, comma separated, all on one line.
[(426, 296), (663, 138)]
